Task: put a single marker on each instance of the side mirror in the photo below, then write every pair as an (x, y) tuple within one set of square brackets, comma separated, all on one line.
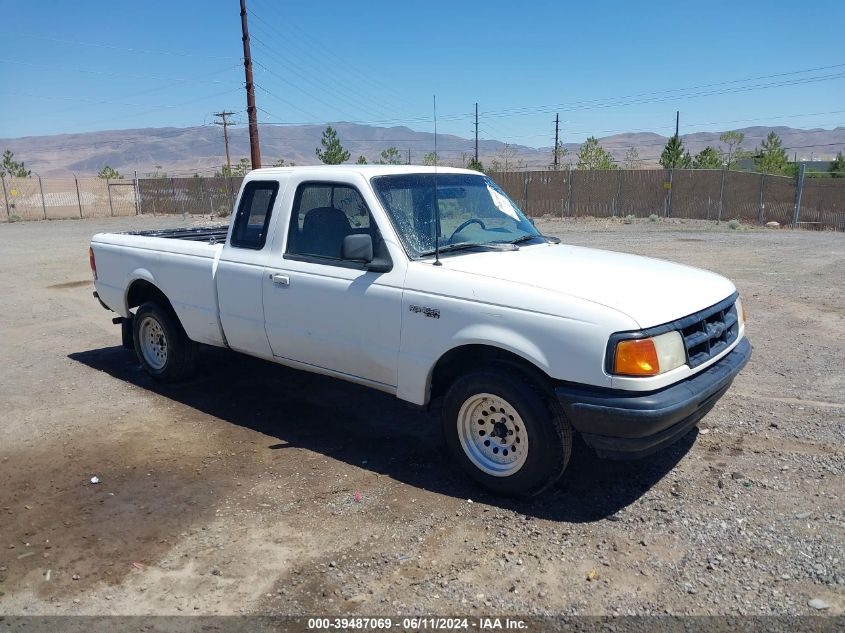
[(357, 247)]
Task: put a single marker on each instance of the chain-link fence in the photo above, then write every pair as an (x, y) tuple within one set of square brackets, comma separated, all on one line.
[(36, 198), (195, 196), (749, 197), (752, 198)]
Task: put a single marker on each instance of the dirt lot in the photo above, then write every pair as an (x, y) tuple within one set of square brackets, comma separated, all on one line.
[(236, 493)]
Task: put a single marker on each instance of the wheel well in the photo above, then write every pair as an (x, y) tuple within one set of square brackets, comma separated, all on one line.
[(142, 291), (465, 358)]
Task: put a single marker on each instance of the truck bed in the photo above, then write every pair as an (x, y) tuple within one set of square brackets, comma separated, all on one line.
[(208, 234)]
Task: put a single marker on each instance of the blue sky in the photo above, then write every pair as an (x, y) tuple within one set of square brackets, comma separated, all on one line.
[(605, 66)]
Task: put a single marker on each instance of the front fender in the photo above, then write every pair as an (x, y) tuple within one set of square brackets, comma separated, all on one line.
[(502, 337), (417, 369)]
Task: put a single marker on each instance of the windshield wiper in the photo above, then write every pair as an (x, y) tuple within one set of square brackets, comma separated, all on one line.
[(550, 239), (496, 246)]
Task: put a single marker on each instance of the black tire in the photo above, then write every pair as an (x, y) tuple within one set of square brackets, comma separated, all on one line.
[(127, 336), (549, 433), (180, 358)]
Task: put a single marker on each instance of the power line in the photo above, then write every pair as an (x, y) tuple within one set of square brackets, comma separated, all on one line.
[(119, 48), (315, 46), (671, 90), (107, 73), (313, 80)]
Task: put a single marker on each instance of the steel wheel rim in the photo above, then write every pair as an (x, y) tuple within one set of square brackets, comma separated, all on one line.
[(153, 343), (492, 434)]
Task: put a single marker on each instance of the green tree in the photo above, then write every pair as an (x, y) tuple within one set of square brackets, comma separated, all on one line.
[(594, 156), (109, 173), (632, 158), (708, 158), (674, 154), (283, 163), (475, 164), (362, 160), (771, 158), (431, 159), (733, 140), (506, 159), (837, 167), (332, 152), (12, 167), (240, 169), (390, 156)]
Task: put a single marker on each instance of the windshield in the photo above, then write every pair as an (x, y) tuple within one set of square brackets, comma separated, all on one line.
[(473, 209)]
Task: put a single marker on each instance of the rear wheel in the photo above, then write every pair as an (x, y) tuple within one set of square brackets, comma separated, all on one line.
[(164, 350), (505, 433)]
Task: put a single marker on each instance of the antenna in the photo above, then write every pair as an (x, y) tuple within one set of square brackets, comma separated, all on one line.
[(436, 205)]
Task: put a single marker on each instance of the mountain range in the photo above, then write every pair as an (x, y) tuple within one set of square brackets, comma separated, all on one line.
[(185, 151)]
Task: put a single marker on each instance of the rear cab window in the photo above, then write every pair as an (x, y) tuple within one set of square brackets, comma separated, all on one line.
[(252, 217)]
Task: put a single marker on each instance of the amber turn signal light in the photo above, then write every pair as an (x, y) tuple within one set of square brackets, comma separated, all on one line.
[(636, 357)]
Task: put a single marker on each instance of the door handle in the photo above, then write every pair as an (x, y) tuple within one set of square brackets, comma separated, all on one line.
[(280, 280)]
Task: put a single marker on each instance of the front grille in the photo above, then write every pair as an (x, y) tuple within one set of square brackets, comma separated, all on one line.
[(710, 332)]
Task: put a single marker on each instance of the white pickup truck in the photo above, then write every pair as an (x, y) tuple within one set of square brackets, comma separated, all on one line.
[(433, 286)]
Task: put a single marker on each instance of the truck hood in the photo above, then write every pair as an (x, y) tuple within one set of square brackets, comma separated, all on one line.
[(650, 291)]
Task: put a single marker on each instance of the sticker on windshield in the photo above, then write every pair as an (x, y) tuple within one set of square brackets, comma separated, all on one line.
[(502, 203)]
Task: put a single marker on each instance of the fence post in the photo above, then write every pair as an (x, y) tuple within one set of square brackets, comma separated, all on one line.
[(173, 194), (201, 201), (525, 179), (136, 193), (569, 191), (618, 193), (799, 187), (41, 189), (761, 209), (108, 189), (669, 197), (78, 197), (721, 196), (6, 199)]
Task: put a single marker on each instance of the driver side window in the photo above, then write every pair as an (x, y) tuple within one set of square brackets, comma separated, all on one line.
[(323, 215)]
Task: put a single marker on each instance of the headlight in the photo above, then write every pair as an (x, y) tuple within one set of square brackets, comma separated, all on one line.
[(649, 356), (740, 311)]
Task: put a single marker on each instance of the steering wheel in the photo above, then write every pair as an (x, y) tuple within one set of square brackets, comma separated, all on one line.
[(464, 225)]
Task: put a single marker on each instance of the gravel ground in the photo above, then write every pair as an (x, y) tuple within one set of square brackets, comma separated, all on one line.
[(257, 489)]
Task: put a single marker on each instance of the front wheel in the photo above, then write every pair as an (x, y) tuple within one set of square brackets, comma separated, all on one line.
[(505, 433), (162, 347)]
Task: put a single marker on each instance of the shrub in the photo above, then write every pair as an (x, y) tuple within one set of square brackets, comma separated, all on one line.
[(15, 218), (734, 225), (653, 217), (629, 219)]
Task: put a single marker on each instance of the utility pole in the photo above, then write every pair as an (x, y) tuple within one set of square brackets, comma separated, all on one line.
[(476, 132), (672, 168), (225, 124), (556, 162), (254, 148)]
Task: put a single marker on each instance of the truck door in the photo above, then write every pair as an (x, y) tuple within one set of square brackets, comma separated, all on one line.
[(325, 312), (241, 268)]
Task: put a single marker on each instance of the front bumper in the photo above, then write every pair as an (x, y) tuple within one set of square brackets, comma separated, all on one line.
[(630, 425)]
